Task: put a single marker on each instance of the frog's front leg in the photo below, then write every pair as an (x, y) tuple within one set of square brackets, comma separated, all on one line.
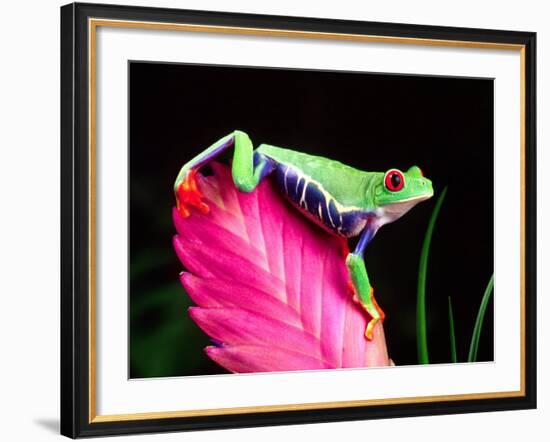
[(248, 169), (363, 291)]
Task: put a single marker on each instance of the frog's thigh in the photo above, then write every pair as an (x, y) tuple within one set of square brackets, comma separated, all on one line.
[(249, 167)]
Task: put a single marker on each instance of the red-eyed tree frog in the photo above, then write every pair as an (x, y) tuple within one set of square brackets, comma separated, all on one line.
[(339, 198)]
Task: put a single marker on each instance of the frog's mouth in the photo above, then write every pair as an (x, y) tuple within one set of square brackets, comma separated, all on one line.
[(396, 210)]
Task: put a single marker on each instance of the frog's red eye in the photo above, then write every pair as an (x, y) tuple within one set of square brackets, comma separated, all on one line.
[(394, 180)]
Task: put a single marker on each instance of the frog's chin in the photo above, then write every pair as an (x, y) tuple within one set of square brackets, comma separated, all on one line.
[(390, 212)]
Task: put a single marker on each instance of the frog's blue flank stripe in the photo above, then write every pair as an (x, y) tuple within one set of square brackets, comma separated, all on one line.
[(310, 197)]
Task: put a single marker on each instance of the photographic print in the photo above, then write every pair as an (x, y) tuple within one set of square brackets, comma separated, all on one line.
[(344, 208), (288, 220)]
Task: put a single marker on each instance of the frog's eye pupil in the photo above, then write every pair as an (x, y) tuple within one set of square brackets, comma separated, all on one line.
[(394, 180)]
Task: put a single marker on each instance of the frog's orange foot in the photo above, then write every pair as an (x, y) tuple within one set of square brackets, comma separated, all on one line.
[(376, 306), (188, 194), (369, 332)]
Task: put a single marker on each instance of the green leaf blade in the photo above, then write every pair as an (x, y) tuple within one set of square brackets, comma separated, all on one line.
[(474, 343), (452, 332), (421, 329)]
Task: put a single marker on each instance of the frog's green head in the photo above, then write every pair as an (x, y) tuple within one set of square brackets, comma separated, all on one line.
[(397, 192)]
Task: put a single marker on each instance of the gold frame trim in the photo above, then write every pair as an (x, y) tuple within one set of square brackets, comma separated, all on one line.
[(93, 24)]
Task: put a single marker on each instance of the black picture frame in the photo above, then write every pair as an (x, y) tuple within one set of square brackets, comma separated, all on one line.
[(77, 420)]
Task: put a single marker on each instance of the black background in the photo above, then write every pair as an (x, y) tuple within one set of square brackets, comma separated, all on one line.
[(370, 121)]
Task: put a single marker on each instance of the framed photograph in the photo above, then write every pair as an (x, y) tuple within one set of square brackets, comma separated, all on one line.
[(275, 220)]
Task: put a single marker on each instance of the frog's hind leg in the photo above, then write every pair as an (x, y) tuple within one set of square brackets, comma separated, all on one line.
[(248, 170), (205, 157), (363, 291), (185, 186), (249, 167)]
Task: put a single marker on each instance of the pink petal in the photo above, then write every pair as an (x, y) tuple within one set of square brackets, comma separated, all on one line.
[(376, 354), (220, 257), (333, 309), (232, 326), (354, 351), (311, 283), (292, 245), (254, 358), (229, 194), (272, 231), (215, 293), (186, 254)]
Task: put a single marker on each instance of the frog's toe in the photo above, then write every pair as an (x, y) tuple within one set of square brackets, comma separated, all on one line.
[(376, 306), (369, 332), (188, 195)]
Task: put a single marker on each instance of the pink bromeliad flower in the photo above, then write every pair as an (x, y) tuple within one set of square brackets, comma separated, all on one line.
[(271, 287)]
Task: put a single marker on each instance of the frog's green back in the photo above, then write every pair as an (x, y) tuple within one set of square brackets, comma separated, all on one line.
[(349, 186)]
